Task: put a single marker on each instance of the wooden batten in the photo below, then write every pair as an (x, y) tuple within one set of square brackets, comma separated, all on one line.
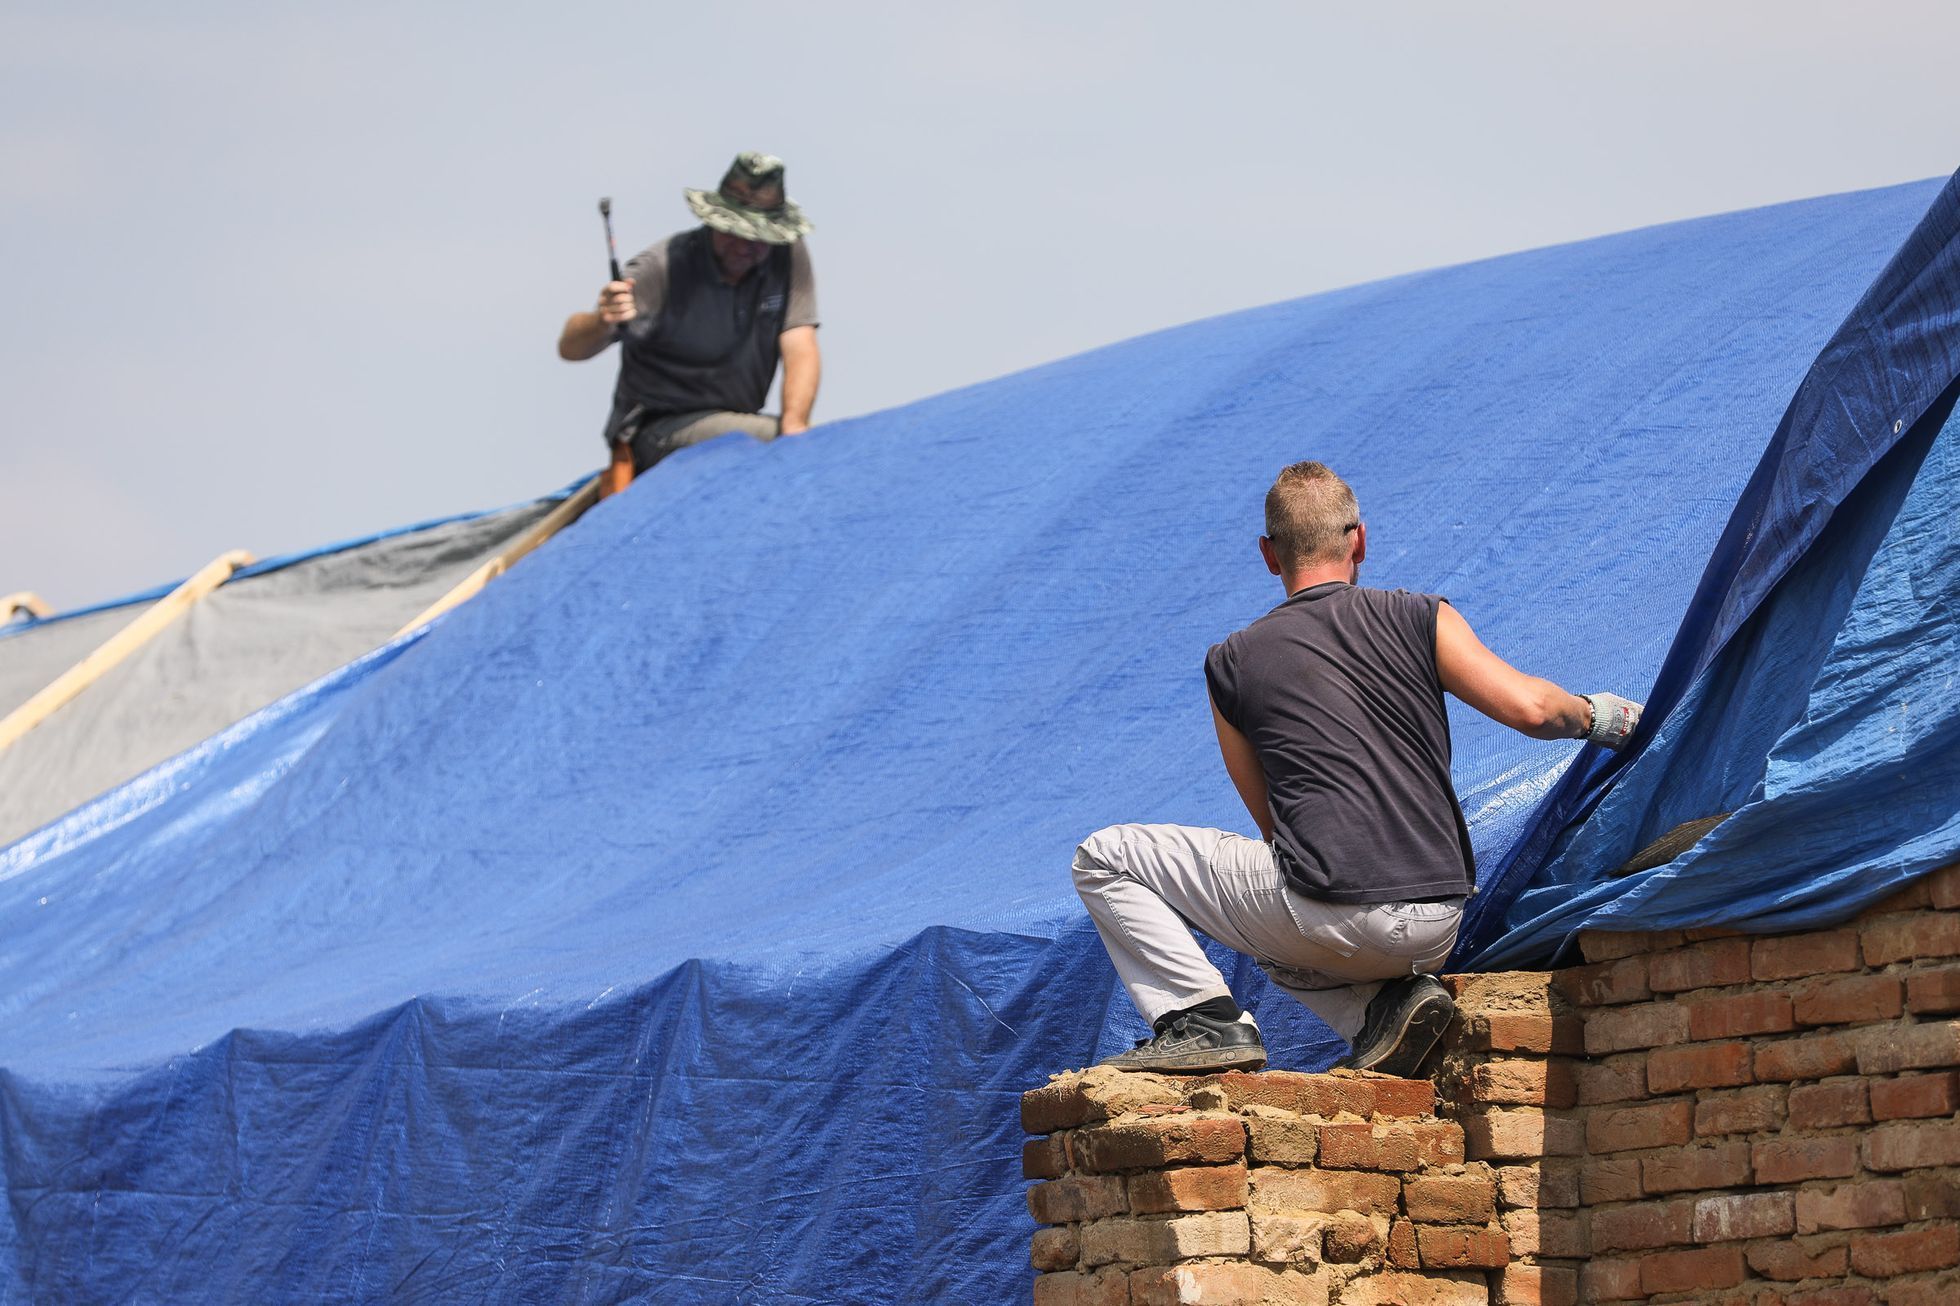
[(24, 601), (120, 645), (556, 520)]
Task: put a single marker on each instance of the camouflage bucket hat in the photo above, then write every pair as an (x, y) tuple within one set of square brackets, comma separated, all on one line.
[(751, 203)]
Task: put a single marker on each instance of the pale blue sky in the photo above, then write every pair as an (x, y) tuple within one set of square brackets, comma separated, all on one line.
[(275, 275)]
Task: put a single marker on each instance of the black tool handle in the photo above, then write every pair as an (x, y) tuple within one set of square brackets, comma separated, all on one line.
[(612, 246)]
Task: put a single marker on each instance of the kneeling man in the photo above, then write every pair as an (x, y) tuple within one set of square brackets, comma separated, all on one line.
[(1329, 712)]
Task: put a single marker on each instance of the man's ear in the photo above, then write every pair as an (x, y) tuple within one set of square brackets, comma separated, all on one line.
[(1266, 552), (1360, 544)]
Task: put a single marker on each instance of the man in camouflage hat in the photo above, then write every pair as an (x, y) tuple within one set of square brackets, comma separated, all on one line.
[(702, 318)]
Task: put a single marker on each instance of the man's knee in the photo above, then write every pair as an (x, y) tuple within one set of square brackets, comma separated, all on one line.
[(1099, 856)]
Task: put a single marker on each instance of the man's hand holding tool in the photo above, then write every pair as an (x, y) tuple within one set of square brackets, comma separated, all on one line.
[(616, 306)]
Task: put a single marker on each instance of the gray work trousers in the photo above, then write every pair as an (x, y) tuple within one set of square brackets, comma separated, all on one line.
[(1148, 886), (664, 435)]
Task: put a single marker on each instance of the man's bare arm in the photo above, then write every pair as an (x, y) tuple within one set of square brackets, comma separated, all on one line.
[(802, 370), (587, 334), (1248, 777), (1500, 691)]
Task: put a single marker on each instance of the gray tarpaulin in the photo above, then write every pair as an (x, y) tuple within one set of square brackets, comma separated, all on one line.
[(251, 641)]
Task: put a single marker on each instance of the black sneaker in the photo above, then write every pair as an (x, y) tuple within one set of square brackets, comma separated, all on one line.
[(1403, 1023), (1192, 1044)]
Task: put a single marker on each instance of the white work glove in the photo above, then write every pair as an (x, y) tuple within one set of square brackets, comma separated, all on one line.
[(1613, 719)]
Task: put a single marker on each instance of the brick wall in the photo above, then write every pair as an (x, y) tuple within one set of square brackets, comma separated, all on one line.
[(1272, 1187), (1509, 1076), (1772, 1119), (1691, 1116)]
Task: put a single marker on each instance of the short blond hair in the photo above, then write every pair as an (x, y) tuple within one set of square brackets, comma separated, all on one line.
[(1309, 512)]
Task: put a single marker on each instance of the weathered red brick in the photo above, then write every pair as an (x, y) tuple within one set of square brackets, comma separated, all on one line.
[(1080, 1197), (1713, 964), (1157, 1240), (1830, 1104), (1610, 1280), (1282, 1140), (1790, 1259), (1882, 1255), (1521, 1133), (1912, 1145), (1943, 887), (1461, 1246), (1697, 1065), (1505, 1031), (1816, 1057), (1745, 1111), (1793, 956), (1397, 1147), (1440, 1288), (1045, 1158), (1402, 1245), (1656, 1124), (1353, 1238), (1695, 1271), (1914, 1097), (1277, 1189), (1827, 1295), (1524, 1031), (1621, 1078), (1553, 1182), (1788, 1160), (1926, 1290), (1436, 1142), (1100, 1094), (1643, 1226), (1546, 1233), (1537, 1285), (1848, 1000), (1053, 1249), (1189, 1188), (1737, 1015), (1909, 936), (1607, 983), (1295, 1236), (1933, 992), (1218, 1283), (1309, 1095), (1516, 1081), (1727, 1217), (1915, 896), (1398, 1099), (1611, 945), (1648, 1025), (1932, 1194), (1685, 1169), (1444, 1198), (1152, 1144), (1862, 1205), (1105, 1288), (1609, 1179), (1908, 1047)]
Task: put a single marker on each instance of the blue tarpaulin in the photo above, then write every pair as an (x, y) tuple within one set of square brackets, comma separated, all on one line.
[(683, 916)]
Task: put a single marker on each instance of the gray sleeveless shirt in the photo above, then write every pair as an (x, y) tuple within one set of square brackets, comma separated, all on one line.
[(699, 343)]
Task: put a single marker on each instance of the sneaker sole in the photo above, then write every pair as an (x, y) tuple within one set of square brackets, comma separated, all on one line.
[(1421, 1029), (1194, 1063)]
